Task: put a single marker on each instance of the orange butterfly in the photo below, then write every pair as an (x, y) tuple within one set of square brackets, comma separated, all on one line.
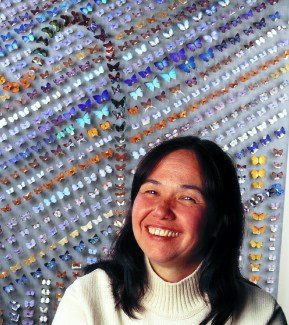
[(258, 216), (94, 159), (151, 20), (4, 274), (162, 14), (140, 24), (285, 54), (84, 165), (29, 75), (224, 91), (161, 125), (59, 178), (17, 201), (173, 117), (244, 78), (255, 257), (133, 110), (254, 278), (107, 154), (136, 138), (254, 72), (31, 259), (71, 171), (216, 67), (274, 61), (148, 131), (48, 184), (13, 86), (203, 101), (93, 50), (6, 208), (213, 95), (68, 63), (4, 181), (119, 36), (193, 107), (255, 267), (25, 83), (38, 190), (265, 66), (61, 275), (258, 230), (122, 157), (28, 196), (234, 84)]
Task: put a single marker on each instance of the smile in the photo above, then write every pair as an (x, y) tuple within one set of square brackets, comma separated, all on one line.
[(162, 232)]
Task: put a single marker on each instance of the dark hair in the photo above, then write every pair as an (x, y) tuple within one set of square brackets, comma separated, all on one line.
[(220, 276)]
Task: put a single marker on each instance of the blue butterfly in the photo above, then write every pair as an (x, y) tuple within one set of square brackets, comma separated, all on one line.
[(12, 46), (86, 105), (275, 16), (6, 37), (161, 64), (14, 159), (253, 147), (206, 56), (240, 154), (132, 80), (49, 140), (50, 265), (180, 55), (211, 10), (154, 84), (2, 53), (28, 38), (188, 65), (37, 274), (80, 247), (53, 13), (137, 93), (280, 132), (265, 140), (41, 18), (64, 6), (195, 44), (62, 194), (234, 39), (101, 98), (48, 202), (127, 56), (145, 73), (20, 30), (37, 147), (103, 112), (83, 120), (221, 46), (70, 113), (106, 231), (25, 154), (86, 9), (168, 76)]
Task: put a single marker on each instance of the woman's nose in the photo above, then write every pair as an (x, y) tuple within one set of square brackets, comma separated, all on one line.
[(163, 210)]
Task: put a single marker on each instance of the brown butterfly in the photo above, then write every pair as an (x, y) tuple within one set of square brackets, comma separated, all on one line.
[(93, 50)]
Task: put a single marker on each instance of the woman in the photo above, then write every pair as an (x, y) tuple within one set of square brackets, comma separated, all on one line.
[(176, 260)]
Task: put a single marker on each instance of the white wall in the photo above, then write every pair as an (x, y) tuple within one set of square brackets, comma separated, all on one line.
[(283, 287)]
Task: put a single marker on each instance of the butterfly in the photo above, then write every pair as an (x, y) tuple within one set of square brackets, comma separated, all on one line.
[(194, 45), (101, 98), (187, 65), (177, 56), (146, 72), (113, 67), (154, 84), (260, 24), (206, 56), (258, 160), (119, 104)]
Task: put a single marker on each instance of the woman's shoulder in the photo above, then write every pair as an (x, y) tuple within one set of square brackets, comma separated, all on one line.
[(255, 293)]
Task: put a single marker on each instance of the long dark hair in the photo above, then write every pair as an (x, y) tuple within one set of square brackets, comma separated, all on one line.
[(220, 276)]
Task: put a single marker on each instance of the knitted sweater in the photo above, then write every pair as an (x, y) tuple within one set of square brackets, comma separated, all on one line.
[(89, 301)]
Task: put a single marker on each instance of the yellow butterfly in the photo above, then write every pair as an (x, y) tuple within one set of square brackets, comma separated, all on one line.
[(56, 68), (284, 69), (256, 244), (31, 259), (16, 267), (105, 126), (80, 55), (258, 160), (109, 214), (258, 216), (258, 184), (41, 254), (74, 233), (255, 257), (275, 74), (93, 132), (255, 267), (52, 246), (63, 241), (4, 97), (2, 79), (258, 173), (85, 228)]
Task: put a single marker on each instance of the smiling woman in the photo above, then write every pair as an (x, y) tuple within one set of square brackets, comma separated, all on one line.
[(176, 260)]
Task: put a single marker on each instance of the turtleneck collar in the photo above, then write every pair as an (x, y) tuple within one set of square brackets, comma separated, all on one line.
[(178, 300)]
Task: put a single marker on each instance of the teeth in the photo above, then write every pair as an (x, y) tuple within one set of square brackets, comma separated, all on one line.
[(162, 232)]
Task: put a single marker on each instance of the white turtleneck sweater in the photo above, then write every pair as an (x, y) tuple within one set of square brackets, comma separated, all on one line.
[(89, 301)]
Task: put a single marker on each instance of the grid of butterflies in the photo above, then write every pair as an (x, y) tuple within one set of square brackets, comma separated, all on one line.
[(87, 88)]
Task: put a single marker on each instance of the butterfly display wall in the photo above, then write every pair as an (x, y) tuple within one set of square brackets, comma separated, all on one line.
[(87, 88)]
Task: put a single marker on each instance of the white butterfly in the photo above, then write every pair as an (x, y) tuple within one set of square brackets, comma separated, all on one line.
[(35, 106), (138, 154), (13, 118), (24, 112)]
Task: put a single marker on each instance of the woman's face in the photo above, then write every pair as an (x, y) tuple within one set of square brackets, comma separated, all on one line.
[(168, 214)]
